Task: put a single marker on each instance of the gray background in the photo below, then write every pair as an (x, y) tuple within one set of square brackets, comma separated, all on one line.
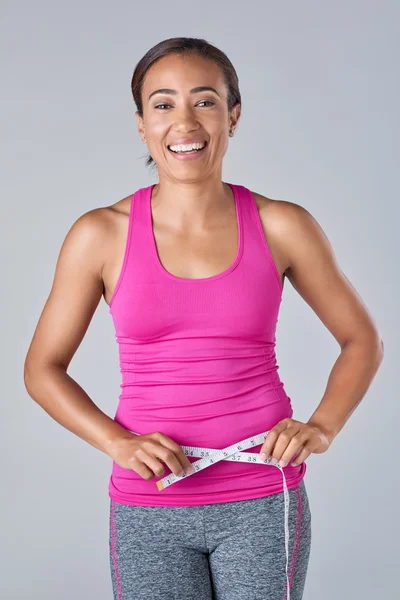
[(319, 127)]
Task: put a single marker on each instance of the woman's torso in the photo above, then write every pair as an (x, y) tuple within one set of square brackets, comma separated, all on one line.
[(196, 342)]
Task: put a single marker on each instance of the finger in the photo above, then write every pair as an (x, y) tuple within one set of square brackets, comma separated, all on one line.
[(310, 446), (139, 465), (178, 451), (277, 444), (301, 456), (271, 439), (289, 442), (169, 456), (293, 449), (155, 465)]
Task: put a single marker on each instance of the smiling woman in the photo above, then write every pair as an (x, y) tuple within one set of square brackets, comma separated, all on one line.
[(189, 214), (192, 268), (152, 90)]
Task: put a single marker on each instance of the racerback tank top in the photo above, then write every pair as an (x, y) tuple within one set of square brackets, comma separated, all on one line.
[(197, 359)]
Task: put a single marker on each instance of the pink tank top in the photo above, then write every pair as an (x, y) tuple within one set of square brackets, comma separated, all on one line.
[(197, 359)]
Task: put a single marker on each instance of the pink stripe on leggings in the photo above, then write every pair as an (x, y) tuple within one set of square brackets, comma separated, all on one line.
[(296, 544), (114, 553)]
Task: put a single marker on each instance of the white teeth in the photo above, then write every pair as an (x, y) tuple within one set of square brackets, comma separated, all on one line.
[(187, 147)]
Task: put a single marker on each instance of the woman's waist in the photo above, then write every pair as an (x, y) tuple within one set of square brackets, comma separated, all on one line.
[(156, 393), (215, 428)]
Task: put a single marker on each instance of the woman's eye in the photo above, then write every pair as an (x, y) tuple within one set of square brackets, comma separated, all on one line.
[(202, 102)]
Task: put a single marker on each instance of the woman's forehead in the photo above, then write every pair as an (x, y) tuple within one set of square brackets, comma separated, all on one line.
[(184, 73)]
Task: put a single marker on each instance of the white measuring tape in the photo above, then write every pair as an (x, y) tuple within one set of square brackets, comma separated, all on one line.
[(210, 456)]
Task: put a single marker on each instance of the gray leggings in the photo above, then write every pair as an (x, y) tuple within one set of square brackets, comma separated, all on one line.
[(226, 551)]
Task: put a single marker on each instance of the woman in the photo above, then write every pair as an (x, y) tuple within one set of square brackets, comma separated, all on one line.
[(193, 270)]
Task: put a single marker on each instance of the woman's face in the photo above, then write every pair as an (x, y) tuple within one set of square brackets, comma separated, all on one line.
[(179, 114)]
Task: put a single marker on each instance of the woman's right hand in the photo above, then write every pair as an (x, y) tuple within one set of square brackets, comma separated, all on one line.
[(143, 453)]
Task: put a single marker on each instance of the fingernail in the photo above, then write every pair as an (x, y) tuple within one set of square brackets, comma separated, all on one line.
[(282, 463), (189, 471), (274, 461), (263, 456)]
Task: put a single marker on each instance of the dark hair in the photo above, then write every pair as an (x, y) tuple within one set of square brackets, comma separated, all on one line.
[(184, 45)]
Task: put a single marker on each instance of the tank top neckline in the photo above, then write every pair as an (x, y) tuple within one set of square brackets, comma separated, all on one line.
[(239, 253)]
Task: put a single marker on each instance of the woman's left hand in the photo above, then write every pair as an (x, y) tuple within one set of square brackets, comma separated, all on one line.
[(290, 437)]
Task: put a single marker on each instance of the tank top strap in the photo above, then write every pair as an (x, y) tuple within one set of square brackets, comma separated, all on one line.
[(256, 242), (137, 238), (140, 219), (247, 205)]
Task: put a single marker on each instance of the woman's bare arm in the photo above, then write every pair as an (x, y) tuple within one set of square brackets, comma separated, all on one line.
[(75, 294), (314, 272)]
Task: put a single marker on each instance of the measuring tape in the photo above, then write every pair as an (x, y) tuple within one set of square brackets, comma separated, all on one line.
[(210, 456)]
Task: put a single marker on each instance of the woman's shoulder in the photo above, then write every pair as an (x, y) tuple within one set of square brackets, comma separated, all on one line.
[(282, 222), (103, 220), (277, 212), (96, 232)]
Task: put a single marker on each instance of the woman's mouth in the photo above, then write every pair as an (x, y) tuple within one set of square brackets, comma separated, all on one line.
[(188, 154)]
